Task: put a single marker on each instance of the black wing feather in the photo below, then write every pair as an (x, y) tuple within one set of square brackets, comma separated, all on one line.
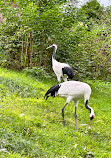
[(52, 91)]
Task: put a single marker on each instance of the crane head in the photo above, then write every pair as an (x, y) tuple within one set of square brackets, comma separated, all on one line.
[(53, 45), (91, 117)]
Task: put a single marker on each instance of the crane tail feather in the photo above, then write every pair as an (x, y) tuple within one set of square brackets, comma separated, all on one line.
[(52, 91), (68, 71)]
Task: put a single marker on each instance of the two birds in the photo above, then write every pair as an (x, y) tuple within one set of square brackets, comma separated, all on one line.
[(71, 90)]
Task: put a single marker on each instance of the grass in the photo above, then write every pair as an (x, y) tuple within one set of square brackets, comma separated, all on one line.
[(31, 127)]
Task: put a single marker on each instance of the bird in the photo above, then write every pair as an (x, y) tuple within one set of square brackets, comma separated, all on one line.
[(72, 90), (62, 70)]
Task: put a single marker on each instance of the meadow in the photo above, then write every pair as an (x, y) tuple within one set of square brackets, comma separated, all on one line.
[(32, 127)]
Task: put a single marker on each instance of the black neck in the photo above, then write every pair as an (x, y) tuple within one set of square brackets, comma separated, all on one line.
[(87, 106), (54, 52)]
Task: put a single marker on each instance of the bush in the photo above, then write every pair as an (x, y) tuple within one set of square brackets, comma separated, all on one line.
[(37, 72)]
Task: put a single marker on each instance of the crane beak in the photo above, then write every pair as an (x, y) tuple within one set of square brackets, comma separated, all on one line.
[(89, 122), (49, 47)]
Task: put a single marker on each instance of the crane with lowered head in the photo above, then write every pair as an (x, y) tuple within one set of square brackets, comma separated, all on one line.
[(72, 90)]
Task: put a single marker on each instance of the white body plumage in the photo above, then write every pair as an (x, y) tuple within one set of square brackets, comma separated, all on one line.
[(74, 89), (57, 68)]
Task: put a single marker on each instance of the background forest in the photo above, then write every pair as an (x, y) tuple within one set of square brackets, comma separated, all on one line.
[(83, 36)]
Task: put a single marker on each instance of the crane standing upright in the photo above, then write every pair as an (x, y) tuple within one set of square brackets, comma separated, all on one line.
[(62, 70)]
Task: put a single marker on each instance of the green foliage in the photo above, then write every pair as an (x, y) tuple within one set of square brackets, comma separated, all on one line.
[(93, 9), (32, 127), (82, 35), (38, 73)]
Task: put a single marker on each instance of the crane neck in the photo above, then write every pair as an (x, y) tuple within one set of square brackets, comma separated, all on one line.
[(90, 109), (54, 52)]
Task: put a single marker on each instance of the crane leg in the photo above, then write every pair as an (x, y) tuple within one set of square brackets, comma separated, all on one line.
[(65, 79), (75, 114), (58, 78), (63, 113)]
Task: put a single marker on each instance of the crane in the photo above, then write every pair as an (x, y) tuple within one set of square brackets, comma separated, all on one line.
[(72, 90), (62, 70)]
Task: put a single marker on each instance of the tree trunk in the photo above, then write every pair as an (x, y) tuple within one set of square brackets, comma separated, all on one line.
[(26, 52), (31, 51), (22, 53)]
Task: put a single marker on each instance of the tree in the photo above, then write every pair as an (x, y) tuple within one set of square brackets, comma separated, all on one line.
[(82, 35)]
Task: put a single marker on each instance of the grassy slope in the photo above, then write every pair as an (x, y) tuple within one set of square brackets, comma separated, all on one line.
[(31, 127)]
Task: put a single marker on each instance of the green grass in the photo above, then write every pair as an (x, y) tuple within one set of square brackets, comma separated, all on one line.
[(32, 127)]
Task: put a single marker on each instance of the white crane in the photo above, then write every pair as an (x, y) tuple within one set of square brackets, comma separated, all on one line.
[(60, 69), (72, 90)]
